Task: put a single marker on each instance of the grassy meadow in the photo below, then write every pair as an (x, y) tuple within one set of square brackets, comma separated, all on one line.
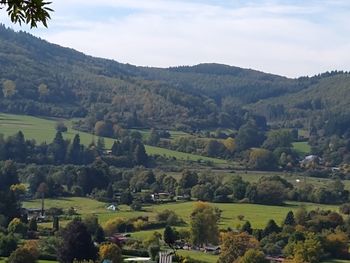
[(43, 130), (302, 148), (258, 215)]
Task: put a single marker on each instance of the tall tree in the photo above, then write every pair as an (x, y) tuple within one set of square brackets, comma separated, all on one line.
[(9, 203), (204, 224), (76, 243), (74, 151), (169, 236)]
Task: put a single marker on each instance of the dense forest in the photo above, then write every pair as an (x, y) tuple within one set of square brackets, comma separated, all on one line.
[(39, 78)]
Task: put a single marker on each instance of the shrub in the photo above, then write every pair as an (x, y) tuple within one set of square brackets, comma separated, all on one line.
[(7, 244), (17, 227), (111, 252)]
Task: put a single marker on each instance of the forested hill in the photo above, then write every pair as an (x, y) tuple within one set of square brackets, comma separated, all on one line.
[(40, 78)]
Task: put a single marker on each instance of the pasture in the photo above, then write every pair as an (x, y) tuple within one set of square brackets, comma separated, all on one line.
[(302, 148), (258, 215), (43, 130)]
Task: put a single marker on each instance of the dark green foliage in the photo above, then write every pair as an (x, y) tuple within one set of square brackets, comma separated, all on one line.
[(33, 226), (7, 244), (56, 223), (99, 235), (247, 228), (9, 203), (270, 228), (169, 236), (77, 243), (153, 251), (289, 220), (29, 12)]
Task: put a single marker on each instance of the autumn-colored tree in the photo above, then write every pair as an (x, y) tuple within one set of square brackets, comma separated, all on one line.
[(112, 252), (9, 88), (235, 245), (337, 245), (230, 144), (43, 90)]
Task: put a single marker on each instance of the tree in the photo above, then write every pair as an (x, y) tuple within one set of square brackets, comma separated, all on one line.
[(153, 138), (33, 225), (247, 227), (21, 255), (261, 159), (271, 227), (140, 155), (58, 148), (188, 179), (7, 244), (77, 243), (310, 250), (29, 12), (301, 215), (235, 245), (289, 220), (9, 87), (253, 256), (204, 224), (9, 201), (248, 136), (169, 236), (99, 235), (110, 252), (74, 152), (337, 245), (238, 187), (278, 138)]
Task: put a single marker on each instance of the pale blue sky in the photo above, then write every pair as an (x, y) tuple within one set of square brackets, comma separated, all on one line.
[(291, 37)]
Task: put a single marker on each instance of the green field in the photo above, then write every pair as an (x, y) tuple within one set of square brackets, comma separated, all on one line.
[(43, 130), (258, 215), (302, 148)]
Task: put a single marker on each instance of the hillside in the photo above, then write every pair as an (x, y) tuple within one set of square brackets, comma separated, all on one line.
[(322, 104), (40, 78)]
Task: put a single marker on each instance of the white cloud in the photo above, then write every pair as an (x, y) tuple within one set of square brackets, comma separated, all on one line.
[(289, 39)]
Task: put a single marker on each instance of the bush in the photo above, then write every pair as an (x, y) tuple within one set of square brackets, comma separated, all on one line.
[(17, 227), (170, 217), (111, 252), (153, 251), (7, 244), (21, 255)]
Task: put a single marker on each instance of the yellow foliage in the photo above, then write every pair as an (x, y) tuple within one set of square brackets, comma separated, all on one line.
[(32, 247), (110, 251), (139, 224), (18, 188), (200, 206), (230, 144), (111, 226)]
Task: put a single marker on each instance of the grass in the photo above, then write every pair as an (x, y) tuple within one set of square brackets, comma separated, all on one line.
[(43, 130), (258, 215), (302, 148), (199, 255)]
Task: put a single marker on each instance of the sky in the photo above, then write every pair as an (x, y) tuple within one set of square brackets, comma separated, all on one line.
[(287, 37)]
